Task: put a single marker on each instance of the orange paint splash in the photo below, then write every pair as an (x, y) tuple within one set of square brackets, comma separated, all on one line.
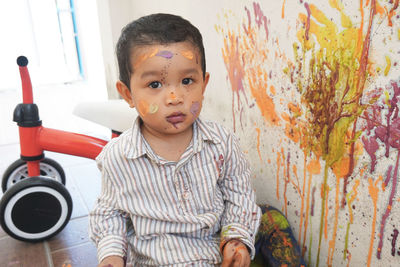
[(291, 128), (314, 167), (258, 143), (143, 108), (278, 166), (283, 9), (272, 90), (188, 54), (373, 192), (243, 64), (264, 102), (144, 57), (302, 196), (286, 175), (340, 169), (325, 190)]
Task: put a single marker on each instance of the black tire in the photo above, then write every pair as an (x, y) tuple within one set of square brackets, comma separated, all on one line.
[(35, 209), (18, 171)]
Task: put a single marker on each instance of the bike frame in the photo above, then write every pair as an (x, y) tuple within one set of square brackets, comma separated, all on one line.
[(35, 139)]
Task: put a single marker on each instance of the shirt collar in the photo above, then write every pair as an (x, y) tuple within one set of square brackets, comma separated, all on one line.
[(137, 146)]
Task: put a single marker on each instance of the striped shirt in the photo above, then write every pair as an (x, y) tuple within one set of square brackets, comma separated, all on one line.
[(156, 212)]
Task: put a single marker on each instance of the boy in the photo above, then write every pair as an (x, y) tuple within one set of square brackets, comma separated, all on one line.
[(175, 189)]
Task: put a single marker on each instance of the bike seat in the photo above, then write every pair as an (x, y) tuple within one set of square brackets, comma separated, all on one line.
[(114, 114)]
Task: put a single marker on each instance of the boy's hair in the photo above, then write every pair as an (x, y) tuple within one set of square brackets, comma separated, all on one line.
[(155, 29)]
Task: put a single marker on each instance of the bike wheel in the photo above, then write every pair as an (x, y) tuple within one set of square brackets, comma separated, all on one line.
[(35, 209), (18, 171)]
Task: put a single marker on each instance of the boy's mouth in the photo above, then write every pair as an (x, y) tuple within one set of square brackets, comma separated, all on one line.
[(176, 117)]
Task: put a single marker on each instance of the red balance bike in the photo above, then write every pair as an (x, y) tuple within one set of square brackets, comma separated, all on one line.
[(36, 205)]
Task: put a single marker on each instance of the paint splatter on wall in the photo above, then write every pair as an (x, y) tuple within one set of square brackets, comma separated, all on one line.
[(324, 76)]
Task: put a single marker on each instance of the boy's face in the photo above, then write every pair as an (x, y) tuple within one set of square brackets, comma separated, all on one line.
[(167, 87)]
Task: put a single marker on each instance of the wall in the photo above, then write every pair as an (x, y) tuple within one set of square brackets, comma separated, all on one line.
[(311, 89)]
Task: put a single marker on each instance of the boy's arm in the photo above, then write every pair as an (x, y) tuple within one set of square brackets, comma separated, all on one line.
[(108, 225), (242, 215)]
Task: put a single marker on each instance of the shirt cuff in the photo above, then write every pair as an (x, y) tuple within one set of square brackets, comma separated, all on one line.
[(236, 231), (111, 246)]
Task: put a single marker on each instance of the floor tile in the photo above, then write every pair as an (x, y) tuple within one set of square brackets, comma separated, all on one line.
[(80, 256), (79, 207), (87, 179), (17, 253), (75, 233), (2, 233)]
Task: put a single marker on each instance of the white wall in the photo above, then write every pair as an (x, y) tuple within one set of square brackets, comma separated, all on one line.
[(285, 148)]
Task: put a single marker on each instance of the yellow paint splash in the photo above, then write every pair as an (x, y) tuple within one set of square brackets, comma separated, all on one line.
[(388, 65), (153, 108)]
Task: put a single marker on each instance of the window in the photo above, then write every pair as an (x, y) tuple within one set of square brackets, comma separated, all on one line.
[(44, 31)]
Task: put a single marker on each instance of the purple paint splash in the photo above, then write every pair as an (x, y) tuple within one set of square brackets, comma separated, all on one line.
[(388, 132), (194, 109), (165, 54), (308, 19), (371, 146), (260, 18), (394, 239), (312, 201)]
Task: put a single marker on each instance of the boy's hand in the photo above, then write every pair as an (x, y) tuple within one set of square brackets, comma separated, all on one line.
[(112, 261), (235, 254)]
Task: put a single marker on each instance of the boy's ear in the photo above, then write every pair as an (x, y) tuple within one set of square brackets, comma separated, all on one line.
[(124, 91), (206, 79)]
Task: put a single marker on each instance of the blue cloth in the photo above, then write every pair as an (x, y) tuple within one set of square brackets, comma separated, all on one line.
[(275, 243)]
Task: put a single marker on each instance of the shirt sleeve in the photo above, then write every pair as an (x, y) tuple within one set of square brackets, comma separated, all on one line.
[(241, 217), (108, 225)]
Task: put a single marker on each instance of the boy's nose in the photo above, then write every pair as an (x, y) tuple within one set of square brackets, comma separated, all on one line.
[(174, 96)]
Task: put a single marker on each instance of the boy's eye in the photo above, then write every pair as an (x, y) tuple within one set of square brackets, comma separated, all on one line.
[(155, 85), (187, 81)]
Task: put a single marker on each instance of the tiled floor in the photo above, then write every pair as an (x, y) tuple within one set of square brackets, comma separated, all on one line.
[(71, 247)]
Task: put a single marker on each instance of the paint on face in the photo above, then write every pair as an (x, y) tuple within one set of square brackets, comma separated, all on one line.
[(153, 108), (165, 54), (145, 56), (194, 109), (172, 96), (143, 108), (188, 54)]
